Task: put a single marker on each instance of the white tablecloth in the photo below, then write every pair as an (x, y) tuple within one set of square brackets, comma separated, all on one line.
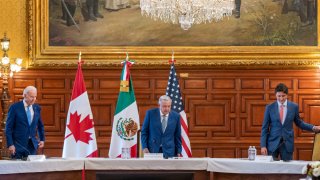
[(225, 165), (244, 166), (146, 164), (11, 166)]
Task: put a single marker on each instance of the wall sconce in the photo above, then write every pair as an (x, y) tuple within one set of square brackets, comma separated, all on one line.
[(7, 68)]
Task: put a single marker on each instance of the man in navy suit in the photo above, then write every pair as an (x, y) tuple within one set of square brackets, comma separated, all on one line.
[(161, 130), (23, 122), (277, 134)]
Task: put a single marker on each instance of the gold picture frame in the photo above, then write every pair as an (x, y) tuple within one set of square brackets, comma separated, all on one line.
[(41, 55)]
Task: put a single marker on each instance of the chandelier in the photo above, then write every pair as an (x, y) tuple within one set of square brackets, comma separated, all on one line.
[(187, 12)]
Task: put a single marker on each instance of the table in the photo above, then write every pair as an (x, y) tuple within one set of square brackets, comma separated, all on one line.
[(70, 169), (112, 169), (226, 168), (175, 169)]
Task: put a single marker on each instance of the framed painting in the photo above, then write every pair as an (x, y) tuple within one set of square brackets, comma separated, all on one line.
[(261, 34)]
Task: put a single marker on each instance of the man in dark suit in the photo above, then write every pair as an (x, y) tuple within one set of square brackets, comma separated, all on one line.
[(23, 122), (277, 134), (161, 131)]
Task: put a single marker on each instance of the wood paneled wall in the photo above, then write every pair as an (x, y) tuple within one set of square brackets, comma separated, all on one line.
[(224, 108)]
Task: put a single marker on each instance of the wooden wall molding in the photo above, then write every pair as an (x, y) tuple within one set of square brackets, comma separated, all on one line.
[(224, 107)]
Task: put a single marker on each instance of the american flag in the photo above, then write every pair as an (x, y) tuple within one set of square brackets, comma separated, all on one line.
[(173, 90)]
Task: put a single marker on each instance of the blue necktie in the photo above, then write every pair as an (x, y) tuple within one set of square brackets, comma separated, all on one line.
[(29, 114)]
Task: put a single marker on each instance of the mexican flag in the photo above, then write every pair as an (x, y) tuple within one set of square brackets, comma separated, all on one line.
[(80, 139), (126, 119)]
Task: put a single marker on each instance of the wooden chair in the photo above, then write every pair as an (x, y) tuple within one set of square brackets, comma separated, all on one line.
[(316, 148)]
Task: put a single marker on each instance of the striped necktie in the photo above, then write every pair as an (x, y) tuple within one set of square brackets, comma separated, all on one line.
[(164, 123)]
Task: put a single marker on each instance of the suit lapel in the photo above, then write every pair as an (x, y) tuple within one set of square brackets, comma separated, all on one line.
[(23, 110), (276, 112), (169, 122), (158, 120), (289, 112), (35, 113)]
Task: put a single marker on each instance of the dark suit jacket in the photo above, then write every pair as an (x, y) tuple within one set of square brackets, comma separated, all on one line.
[(18, 130), (272, 129), (152, 136)]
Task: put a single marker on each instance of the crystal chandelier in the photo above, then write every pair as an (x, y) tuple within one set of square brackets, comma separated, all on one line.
[(187, 12)]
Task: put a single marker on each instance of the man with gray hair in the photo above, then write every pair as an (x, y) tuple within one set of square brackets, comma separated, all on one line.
[(161, 130), (23, 122)]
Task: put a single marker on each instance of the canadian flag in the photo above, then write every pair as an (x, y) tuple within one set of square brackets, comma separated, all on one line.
[(80, 139)]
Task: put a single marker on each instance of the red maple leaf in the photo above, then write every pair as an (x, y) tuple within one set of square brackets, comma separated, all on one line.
[(78, 128)]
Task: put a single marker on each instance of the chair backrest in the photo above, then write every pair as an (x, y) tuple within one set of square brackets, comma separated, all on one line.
[(316, 148)]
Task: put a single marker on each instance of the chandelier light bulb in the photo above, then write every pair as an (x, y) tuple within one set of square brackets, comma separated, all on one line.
[(13, 67), (18, 68), (19, 61), (5, 60), (5, 45)]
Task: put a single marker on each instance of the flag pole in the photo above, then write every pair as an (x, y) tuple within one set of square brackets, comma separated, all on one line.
[(79, 59), (127, 57), (172, 58)]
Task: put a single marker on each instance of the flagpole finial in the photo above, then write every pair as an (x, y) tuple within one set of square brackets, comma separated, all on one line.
[(127, 57), (172, 61), (79, 59)]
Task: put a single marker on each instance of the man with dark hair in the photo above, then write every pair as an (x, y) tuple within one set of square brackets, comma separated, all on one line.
[(277, 134)]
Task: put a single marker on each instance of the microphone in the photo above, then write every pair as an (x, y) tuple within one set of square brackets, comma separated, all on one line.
[(24, 158), (282, 141)]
